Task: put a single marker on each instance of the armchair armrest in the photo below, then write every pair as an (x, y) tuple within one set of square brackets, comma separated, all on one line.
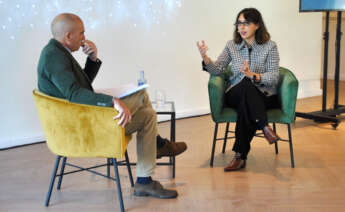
[(216, 89)]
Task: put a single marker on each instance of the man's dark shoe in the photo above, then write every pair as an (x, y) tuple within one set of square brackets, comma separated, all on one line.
[(171, 149), (236, 164), (154, 189), (270, 135)]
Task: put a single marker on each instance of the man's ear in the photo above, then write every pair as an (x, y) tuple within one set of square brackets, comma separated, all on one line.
[(67, 36)]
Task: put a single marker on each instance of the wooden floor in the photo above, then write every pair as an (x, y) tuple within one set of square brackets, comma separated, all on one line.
[(268, 183)]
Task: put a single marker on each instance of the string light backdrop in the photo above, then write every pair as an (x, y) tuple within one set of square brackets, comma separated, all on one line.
[(18, 16)]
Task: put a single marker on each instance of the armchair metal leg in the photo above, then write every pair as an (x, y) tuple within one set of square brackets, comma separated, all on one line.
[(61, 172), (118, 184), (129, 169), (225, 136), (108, 166), (276, 143), (214, 144), (291, 148), (52, 180)]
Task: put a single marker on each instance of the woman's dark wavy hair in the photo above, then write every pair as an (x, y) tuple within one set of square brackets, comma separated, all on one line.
[(254, 16)]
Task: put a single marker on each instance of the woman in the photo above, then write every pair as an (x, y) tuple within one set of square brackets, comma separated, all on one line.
[(255, 72)]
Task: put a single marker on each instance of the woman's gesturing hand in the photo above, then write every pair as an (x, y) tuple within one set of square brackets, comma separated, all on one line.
[(245, 69), (203, 50)]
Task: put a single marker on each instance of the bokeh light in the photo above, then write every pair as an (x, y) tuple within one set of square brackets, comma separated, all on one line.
[(17, 16)]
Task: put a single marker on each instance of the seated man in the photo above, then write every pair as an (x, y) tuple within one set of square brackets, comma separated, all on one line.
[(60, 75)]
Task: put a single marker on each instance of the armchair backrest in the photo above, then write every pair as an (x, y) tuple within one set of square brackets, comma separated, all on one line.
[(77, 130)]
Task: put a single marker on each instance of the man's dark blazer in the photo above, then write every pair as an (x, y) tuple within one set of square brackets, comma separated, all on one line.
[(60, 75)]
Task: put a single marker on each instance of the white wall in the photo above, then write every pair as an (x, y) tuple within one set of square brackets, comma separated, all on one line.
[(166, 51)]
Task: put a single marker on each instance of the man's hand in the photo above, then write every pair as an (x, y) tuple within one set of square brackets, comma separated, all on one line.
[(90, 49), (203, 50), (124, 113)]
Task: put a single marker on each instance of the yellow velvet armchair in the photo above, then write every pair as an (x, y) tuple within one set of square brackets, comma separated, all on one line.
[(77, 130)]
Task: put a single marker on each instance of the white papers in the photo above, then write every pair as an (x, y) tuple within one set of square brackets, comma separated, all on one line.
[(123, 90)]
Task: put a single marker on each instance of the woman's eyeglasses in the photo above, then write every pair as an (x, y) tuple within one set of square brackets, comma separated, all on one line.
[(244, 23)]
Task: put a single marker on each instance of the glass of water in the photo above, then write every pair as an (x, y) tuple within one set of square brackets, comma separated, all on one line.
[(160, 98)]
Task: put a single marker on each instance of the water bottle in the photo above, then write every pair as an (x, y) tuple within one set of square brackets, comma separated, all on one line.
[(141, 80)]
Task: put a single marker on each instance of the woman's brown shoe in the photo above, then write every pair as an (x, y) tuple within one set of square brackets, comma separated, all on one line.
[(235, 164), (270, 135)]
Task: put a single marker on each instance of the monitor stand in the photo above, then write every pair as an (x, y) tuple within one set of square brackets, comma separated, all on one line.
[(329, 115)]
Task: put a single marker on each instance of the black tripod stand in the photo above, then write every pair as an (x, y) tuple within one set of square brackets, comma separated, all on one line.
[(329, 115)]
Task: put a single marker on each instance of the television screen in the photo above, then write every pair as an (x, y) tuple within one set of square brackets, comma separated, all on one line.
[(321, 5)]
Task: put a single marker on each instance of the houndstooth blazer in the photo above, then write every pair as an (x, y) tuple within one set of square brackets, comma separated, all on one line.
[(262, 59)]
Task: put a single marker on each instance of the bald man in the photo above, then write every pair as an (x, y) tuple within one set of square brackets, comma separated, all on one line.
[(60, 75)]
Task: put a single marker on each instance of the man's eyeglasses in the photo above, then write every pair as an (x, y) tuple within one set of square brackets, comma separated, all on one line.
[(244, 23)]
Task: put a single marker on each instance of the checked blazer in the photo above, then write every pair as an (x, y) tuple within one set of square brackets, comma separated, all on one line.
[(262, 59)]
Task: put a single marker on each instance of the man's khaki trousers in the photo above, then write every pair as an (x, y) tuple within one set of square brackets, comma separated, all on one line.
[(144, 123)]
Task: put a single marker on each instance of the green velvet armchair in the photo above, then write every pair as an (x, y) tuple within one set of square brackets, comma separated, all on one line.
[(287, 92)]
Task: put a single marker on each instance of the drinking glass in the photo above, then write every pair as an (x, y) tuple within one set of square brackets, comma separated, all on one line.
[(160, 98)]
